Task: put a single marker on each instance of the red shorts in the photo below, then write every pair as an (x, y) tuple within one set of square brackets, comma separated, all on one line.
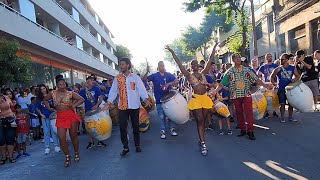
[(66, 117)]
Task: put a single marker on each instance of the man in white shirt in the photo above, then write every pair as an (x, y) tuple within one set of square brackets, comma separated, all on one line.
[(130, 89)]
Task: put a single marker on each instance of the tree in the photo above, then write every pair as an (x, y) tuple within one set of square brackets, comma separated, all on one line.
[(122, 51), (13, 68), (179, 48), (234, 10)]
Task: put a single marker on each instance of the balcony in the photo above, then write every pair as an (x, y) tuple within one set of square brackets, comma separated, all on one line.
[(36, 37)]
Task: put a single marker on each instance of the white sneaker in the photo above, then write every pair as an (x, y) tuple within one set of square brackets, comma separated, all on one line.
[(57, 149), (43, 141), (47, 151), (173, 132), (51, 140), (163, 134)]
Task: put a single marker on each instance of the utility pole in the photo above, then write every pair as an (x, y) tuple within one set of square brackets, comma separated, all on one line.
[(254, 33)]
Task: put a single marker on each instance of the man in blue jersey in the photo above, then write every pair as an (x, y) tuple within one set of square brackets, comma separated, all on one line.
[(284, 73), (162, 83)]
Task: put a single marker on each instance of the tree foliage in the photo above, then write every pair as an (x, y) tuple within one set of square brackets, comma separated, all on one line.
[(13, 68), (234, 11), (179, 48), (122, 51)]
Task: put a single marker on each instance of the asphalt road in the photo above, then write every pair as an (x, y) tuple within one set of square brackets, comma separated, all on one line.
[(282, 151)]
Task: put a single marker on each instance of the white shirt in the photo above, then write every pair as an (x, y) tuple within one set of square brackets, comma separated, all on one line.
[(133, 95)]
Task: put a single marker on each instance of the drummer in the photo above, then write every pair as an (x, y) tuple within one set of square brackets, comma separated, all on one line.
[(129, 87), (264, 74), (200, 103), (284, 73), (93, 98), (239, 79), (162, 83)]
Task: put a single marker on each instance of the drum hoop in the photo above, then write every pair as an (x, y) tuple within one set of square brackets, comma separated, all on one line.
[(163, 101), (293, 85), (90, 113)]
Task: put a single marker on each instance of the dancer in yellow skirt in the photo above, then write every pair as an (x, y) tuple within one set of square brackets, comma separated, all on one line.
[(200, 103)]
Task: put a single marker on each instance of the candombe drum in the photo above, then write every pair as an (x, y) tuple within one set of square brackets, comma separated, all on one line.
[(152, 101), (259, 103), (175, 107), (114, 113), (299, 96), (98, 124), (53, 119), (144, 121), (221, 109), (272, 99)]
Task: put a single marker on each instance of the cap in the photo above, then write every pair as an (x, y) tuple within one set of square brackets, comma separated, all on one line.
[(90, 77), (243, 59), (300, 52)]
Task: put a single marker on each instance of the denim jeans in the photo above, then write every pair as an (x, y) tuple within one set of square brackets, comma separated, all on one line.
[(47, 128), (162, 118)]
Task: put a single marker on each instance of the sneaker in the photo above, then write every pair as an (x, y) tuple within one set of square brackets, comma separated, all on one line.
[(18, 156), (210, 127), (173, 132), (101, 144), (138, 149), (57, 149), (204, 149), (275, 114), (124, 152), (42, 141), (229, 132), (90, 145), (221, 133), (26, 154), (163, 134), (282, 120), (47, 151), (292, 119), (51, 140), (266, 115)]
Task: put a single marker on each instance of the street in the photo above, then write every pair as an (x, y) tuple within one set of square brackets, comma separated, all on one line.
[(282, 151)]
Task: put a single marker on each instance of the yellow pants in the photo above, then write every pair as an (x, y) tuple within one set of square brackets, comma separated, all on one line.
[(200, 101)]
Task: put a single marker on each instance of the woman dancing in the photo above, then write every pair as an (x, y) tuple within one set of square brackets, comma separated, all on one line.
[(200, 103), (64, 104)]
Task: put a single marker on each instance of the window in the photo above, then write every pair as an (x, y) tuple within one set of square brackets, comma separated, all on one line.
[(270, 23), (259, 31)]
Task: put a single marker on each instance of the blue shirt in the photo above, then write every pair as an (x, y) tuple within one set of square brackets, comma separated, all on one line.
[(223, 93), (158, 80), (285, 78), (95, 93), (134, 91), (43, 109), (209, 79), (32, 109), (266, 70)]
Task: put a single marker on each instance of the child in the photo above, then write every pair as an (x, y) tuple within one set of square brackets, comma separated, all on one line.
[(35, 124), (222, 95), (22, 130)]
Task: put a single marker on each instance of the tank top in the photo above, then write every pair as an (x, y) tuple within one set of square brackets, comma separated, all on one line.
[(67, 101), (285, 76), (22, 123)]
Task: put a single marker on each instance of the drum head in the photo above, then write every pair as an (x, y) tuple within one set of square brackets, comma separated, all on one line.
[(168, 96), (293, 85)]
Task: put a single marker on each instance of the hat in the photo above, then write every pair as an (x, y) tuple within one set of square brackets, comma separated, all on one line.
[(300, 52), (90, 77)]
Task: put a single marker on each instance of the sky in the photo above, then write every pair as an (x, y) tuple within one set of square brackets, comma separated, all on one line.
[(146, 26)]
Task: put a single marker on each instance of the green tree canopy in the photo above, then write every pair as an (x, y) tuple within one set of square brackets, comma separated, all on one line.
[(13, 68), (234, 11), (122, 51), (178, 46)]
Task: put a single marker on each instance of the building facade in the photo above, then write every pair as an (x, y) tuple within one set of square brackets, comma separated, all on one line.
[(66, 37), (286, 26)]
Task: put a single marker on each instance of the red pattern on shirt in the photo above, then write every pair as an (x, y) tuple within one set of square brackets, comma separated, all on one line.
[(22, 124)]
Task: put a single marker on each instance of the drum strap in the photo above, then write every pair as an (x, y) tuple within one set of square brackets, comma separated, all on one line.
[(285, 72)]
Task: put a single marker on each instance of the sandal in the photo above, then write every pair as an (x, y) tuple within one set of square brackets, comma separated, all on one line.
[(3, 161), (67, 161), (204, 149), (12, 160), (76, 157)]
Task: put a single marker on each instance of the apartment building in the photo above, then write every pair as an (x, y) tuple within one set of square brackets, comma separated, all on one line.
[(65, 36), (286, 26)]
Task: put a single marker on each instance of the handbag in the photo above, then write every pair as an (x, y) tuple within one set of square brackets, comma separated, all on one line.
[(9, 121)]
